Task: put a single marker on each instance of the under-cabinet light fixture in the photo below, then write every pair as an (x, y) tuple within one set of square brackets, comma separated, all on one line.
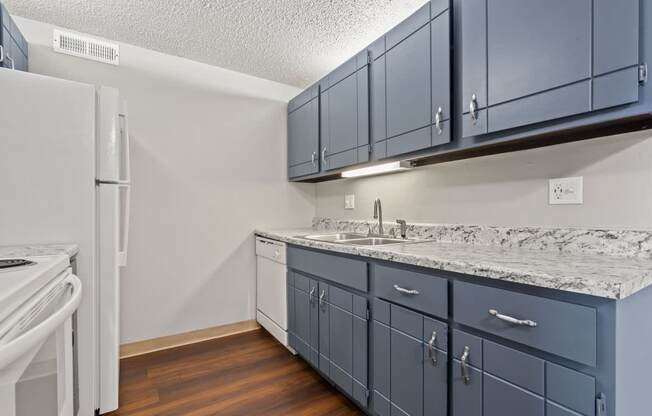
[(391, 167)]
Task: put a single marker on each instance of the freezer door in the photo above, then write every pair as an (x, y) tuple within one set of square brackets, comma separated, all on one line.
[(112, 137), (108, 200)]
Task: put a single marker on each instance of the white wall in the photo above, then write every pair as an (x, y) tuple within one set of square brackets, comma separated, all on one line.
[(512, 189), (209, 165)]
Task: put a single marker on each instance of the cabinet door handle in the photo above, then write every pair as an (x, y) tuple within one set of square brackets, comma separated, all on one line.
[(312, 295), (511, 320), (473, 108), (438, 116), (406, 291), (314, 157), (432, 352), (13, 63), (465, 366), (323, 155), (2, 53), (321, 297)]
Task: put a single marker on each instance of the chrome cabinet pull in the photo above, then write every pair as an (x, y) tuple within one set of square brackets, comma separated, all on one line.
[(432, 352), (465, 366), (438, 117), (511, 320), (473, 108), (406, 291), (312, 295), (321, 297), (314, 157), (13, 63), (323, 155), (2, 53)]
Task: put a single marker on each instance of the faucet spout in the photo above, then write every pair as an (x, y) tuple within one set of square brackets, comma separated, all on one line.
[(378, 214)]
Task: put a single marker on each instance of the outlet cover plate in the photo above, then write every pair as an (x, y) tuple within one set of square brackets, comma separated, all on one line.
[(349, 201), (566, 191)]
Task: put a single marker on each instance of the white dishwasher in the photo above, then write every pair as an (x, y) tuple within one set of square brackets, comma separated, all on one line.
[(271, 288)]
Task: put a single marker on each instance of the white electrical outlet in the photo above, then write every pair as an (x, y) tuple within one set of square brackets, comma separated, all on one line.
[(349, 201), (566, 191)]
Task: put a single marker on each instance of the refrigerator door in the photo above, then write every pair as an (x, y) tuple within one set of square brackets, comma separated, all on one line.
[(109, 241), (112, 137)]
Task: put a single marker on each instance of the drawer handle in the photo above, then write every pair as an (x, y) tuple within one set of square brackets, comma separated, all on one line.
[(312, 295), (464, 364), (406, 291), (321, 297), (432, 352), (520, 322)]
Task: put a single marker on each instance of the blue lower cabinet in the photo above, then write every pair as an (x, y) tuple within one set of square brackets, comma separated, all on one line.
[(410, 369), (489, 379)]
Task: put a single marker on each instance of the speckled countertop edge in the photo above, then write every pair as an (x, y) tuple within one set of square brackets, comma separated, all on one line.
[(29, 250), (603, 276)]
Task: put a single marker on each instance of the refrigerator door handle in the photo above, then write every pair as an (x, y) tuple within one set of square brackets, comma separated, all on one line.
[(124, 190), (125, 157)]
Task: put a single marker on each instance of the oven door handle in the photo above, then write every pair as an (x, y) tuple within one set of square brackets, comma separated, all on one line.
[(29, 340)]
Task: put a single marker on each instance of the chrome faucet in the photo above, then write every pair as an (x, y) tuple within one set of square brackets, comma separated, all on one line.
[(378, 215)]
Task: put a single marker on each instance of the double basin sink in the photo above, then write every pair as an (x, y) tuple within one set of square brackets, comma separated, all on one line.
[(357, 239)]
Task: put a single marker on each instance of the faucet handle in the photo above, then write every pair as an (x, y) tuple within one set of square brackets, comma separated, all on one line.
[(403, 225)]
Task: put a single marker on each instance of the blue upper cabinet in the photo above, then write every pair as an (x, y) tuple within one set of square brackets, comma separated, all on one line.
[(344, 114), (303, 133), (13, 46), (529, 61), (410, 78)]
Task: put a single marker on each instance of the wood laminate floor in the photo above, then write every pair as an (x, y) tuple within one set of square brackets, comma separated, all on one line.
[(240, 375)]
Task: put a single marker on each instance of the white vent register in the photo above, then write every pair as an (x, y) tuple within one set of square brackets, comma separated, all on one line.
[(86, 47)]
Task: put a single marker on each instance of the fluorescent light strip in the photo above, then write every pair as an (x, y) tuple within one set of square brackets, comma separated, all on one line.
[(378, 169)]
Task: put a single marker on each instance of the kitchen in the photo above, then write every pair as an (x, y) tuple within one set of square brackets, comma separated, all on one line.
[(525, 191)]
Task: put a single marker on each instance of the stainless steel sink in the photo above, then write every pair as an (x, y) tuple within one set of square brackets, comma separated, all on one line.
[(356, 239), (334, 238), (376, 241)]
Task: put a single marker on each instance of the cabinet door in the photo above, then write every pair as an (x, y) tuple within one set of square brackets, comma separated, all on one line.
[(324, 332), (502, 398), (313, 303), (406, 374), (303, 139), (302, 322), (527, 61), (440, 56), (408, 92), (345, 120), (467, 393), (435, 382)]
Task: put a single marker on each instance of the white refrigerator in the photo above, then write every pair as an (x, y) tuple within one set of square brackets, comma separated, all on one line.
[(65, 177)]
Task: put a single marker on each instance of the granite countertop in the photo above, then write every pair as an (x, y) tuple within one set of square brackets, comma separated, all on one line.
[(613, 277), (29, 250)]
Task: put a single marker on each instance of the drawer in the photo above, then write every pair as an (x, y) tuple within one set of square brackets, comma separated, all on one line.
[(571, 389), (270, 249), (342, 270), (418, 291), (564, 329)]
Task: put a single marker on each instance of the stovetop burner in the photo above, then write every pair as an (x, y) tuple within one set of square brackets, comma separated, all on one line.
[(8, 263)]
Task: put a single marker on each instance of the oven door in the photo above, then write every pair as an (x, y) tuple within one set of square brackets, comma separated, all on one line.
[(36, 352)]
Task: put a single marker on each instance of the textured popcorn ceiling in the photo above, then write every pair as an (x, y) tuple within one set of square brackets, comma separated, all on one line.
[(291, 41)]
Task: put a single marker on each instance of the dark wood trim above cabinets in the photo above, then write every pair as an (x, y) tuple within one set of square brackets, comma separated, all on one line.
[(468, 78)]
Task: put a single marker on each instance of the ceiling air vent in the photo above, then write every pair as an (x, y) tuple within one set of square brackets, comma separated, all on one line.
[(86, 47)]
